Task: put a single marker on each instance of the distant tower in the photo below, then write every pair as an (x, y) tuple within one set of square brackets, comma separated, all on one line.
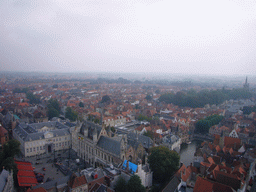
[(246, 84)]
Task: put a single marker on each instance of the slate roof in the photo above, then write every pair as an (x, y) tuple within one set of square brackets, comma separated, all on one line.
[(90, 126), (56, 182), (144, 140), (172, 185), (30, 132), (55, 124), (109, 144)]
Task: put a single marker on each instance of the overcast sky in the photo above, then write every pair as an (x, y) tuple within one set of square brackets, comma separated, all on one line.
[(169, 36)]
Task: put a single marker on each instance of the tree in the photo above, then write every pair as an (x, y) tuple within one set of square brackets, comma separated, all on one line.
[(113, 129), (163, 163), (81, 104), (32, 98), (54, 103), (97, 121), (52, 112), (121, 185), (71, 114), (134, 184), (55, 86), (105, 99), (11, 148), (149, 134), (157, 91), (148, 97), (53, 108)]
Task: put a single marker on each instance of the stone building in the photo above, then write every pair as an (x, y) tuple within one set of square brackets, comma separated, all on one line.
[(45, 137), (95, 145)]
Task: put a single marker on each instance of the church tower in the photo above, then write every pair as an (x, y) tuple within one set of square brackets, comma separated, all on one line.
[(246, 85)]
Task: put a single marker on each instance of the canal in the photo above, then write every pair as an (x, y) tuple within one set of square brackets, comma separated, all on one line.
[(187, 152)]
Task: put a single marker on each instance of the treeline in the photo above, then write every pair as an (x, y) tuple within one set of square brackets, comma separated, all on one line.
[(248, 110), (203, 125), (33, 99), (195, 99)]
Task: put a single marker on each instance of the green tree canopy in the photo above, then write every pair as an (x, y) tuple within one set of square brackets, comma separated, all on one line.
[(203, 125), (71, 114), (144, 117), (191, 98), (105, 99), (81, 104), (54, 103), (134, 184), (121, 185), (149, 134), (33, 99), (148, 97), (249, 109), (52, 112), (11, 148), (53, 108), (163, 163)]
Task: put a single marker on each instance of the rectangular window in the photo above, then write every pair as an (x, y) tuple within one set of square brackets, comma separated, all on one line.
[(53, 145), (27, 150), (37, 148), (65, 138), (57, 144), (65, 143), (53, 140), (60, 139), (57, 139), (30, 149), (44, 147), (34, 149), (40, 147)]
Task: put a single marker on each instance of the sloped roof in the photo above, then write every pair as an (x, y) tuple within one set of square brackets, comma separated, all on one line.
[(77, 181), (41, 189), (172, 185), (26, 176), (230, 142), (203, 185), (109, 144)]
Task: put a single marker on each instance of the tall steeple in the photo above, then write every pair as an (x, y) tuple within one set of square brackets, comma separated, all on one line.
[(246, 84)]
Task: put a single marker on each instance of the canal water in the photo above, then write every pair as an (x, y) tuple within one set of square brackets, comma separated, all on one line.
[(187, 152)]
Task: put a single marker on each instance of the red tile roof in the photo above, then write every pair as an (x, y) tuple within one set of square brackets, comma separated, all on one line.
[(41, 189), (77, 181), (203, 185), (26, 176), (231, 142)]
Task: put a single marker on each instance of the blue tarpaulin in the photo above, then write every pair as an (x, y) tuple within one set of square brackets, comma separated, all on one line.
[(132, 167)]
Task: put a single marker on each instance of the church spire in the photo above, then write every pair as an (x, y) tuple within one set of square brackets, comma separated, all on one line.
[(246, 84)]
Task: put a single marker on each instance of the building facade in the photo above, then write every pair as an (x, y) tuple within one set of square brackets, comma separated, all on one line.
[(98, 147), (41, 138)]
